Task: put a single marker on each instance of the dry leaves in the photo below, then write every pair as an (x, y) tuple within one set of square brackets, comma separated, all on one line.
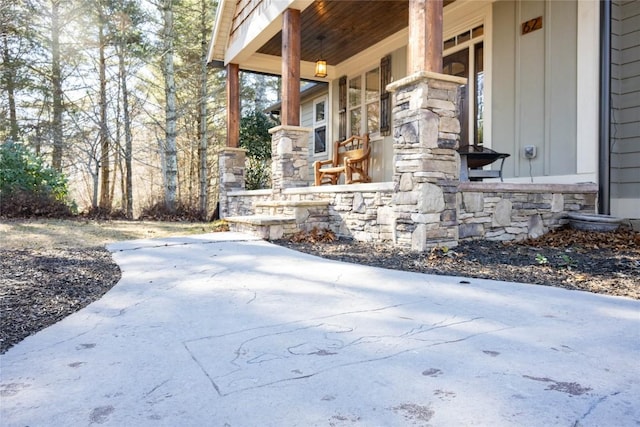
[(619, 240), (315, 235)]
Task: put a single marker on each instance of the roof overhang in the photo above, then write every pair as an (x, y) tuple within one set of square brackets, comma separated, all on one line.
[(248, 33), (236, 45)]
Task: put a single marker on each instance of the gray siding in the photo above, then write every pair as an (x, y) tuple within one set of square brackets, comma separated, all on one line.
[(625, 87), (534, 86)]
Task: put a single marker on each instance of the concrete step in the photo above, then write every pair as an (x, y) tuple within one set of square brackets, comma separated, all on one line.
[(268, 227), (275, 219), (298, 208)]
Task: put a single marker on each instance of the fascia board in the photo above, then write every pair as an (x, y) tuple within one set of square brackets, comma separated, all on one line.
[(220, 36)]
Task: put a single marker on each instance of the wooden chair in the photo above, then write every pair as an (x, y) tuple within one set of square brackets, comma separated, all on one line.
[(350, 157)]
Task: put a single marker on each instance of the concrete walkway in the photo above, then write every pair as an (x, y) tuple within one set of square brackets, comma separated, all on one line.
[(225, 330)]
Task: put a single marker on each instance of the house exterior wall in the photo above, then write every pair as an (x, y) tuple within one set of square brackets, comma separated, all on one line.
[(243, 12), (534, 89), (533, 97), (625, 118)]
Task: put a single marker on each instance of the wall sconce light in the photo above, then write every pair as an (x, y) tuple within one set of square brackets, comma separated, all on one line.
[(321, 64)]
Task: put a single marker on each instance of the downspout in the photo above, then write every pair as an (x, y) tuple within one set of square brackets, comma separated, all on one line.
[(604, 163)]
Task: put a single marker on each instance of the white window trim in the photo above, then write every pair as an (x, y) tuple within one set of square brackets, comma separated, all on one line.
[(317, 124)]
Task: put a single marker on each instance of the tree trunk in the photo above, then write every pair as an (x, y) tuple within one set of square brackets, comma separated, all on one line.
[(127, 132), (9, 72), (56, 84), (202, 115), (170, 109), (105, 199), (95, 175), (117, 160)]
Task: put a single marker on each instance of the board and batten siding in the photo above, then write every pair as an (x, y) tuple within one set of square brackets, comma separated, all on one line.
[(534, 87), (625, 115)]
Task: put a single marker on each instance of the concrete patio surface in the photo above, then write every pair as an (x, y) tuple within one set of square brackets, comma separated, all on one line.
[(225, 330)]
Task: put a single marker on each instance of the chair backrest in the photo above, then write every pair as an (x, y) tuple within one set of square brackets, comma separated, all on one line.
[(353, 147)]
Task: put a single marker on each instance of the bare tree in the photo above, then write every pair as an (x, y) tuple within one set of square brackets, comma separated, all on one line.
[(128, 151), (170, 151), (9, 83), (202, 117), (105, 196), (56, 85)]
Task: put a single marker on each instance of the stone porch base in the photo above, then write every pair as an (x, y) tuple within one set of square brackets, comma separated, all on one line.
[(365, 212), (274, 219), (264, 227)]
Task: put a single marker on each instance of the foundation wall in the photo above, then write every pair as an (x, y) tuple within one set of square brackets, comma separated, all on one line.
[(365, 212)]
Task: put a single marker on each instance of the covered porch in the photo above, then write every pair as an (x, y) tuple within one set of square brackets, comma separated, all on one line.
[(417, 121)]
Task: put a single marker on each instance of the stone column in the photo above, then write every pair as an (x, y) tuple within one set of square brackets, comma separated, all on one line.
[(231, 163), (289, 157), (426, 165)]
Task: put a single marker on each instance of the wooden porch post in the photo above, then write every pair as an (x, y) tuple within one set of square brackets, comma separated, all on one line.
[(290, 115), (233, 105), (425, 35)]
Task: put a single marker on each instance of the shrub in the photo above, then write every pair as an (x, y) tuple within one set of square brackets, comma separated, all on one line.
[(255, 138), (257, 174), (28, 187), (158, 212)]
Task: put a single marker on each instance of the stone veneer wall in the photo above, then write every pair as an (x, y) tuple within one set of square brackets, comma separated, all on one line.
[(426, 165), (231, 164), (289, 157), (489, 210), (360, 211), (503, 211)]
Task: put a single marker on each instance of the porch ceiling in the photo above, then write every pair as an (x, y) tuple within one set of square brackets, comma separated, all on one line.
[(348, 27)]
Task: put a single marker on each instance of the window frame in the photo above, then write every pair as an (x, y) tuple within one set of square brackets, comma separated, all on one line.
[(472, 45), (318, 124), (364, 104)]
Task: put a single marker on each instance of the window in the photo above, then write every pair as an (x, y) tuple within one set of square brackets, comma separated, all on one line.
[(467, 60), (364, 103), (320, 125)]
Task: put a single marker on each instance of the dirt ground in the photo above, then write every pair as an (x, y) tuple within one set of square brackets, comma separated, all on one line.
[(52, 268)]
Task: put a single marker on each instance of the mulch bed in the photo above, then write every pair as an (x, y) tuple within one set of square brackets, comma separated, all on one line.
[(606, 263), (40, 287)]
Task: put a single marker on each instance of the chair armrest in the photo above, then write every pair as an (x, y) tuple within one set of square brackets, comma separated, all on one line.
[(364, 156), (320, 163)]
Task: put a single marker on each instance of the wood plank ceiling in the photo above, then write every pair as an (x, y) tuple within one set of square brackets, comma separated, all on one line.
[(347, 26)]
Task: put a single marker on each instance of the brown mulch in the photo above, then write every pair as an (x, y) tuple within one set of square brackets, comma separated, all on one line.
[(606, 263), (40, 287)]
